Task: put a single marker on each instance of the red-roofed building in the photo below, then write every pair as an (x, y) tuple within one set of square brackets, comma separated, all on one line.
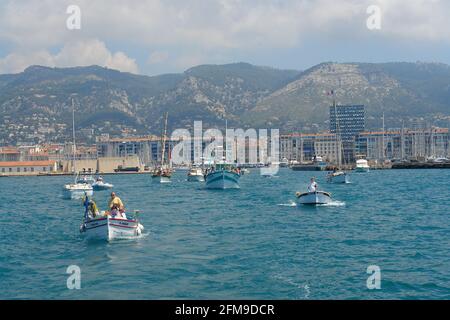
[(27, 167), (9, 154)]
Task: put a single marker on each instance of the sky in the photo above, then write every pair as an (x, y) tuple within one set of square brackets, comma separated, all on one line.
[(164, 36)]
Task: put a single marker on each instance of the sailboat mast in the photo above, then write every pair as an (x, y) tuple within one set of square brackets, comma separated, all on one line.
[(338, 144), (382, 144), (73, 137), (163, 141), (402, 137), (226, 142)]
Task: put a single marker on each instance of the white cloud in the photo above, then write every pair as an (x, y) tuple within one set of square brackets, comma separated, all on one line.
[(416, 19), (181, 29), (90, 52), (17, 62), (78, 53)]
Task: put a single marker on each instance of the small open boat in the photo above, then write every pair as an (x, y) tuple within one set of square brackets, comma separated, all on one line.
[(162, 174), (338, 177), (196, 174), (86, 179), (109, 228), (99, 185), (77, 190), (313, 198), (362, 166)]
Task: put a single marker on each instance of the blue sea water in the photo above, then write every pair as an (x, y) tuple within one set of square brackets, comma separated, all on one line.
[(252, 243)]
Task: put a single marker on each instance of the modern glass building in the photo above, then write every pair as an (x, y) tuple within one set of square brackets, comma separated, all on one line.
[(347, 121)]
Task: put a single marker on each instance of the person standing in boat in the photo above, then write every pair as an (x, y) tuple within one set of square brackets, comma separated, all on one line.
[(313, 185), (115, 202), (92, 209)]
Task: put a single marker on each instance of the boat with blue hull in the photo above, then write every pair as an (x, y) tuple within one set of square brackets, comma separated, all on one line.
[(222, 176), (100, 185)]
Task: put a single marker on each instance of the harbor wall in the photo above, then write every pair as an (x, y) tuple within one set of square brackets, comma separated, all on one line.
[(421, 165), (101, 165)]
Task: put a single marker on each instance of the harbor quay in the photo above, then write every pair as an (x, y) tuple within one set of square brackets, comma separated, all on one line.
[(406, 148)]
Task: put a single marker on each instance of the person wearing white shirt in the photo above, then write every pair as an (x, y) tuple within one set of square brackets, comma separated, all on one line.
[(312, 186)]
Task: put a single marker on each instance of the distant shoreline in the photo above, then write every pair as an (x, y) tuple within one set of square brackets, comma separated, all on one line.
[(395, 166)]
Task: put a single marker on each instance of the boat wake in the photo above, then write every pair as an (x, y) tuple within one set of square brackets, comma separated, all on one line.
[(291, 204), (131, 238), (332, 204)]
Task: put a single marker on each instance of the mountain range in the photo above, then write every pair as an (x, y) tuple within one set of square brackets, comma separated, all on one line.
[(36, 104)]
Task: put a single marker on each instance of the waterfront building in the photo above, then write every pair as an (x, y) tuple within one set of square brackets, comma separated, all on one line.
[(23, 153), (347, 121), (303, 147), (9, 154), (420, 144), (148, 148), (27, 167)]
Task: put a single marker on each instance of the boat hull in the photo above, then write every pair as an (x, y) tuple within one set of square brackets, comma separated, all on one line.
[(161, 179), (103, 186), (222, 180), (308, 167), (314, 198), (362, 169), (77, 194), (109, 229), (341, 178)]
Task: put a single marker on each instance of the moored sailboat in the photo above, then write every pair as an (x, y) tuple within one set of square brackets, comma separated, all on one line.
[(163, 173), (77, 189)]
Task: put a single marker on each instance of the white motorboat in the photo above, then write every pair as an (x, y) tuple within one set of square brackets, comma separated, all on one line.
[(338, 177), (86, 179), (313, 198), (284, 163), (196, 174), (109, 228), (362, 166), (99, 185), (440, 160), (267, 174), (77, 190), (222, 176)]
